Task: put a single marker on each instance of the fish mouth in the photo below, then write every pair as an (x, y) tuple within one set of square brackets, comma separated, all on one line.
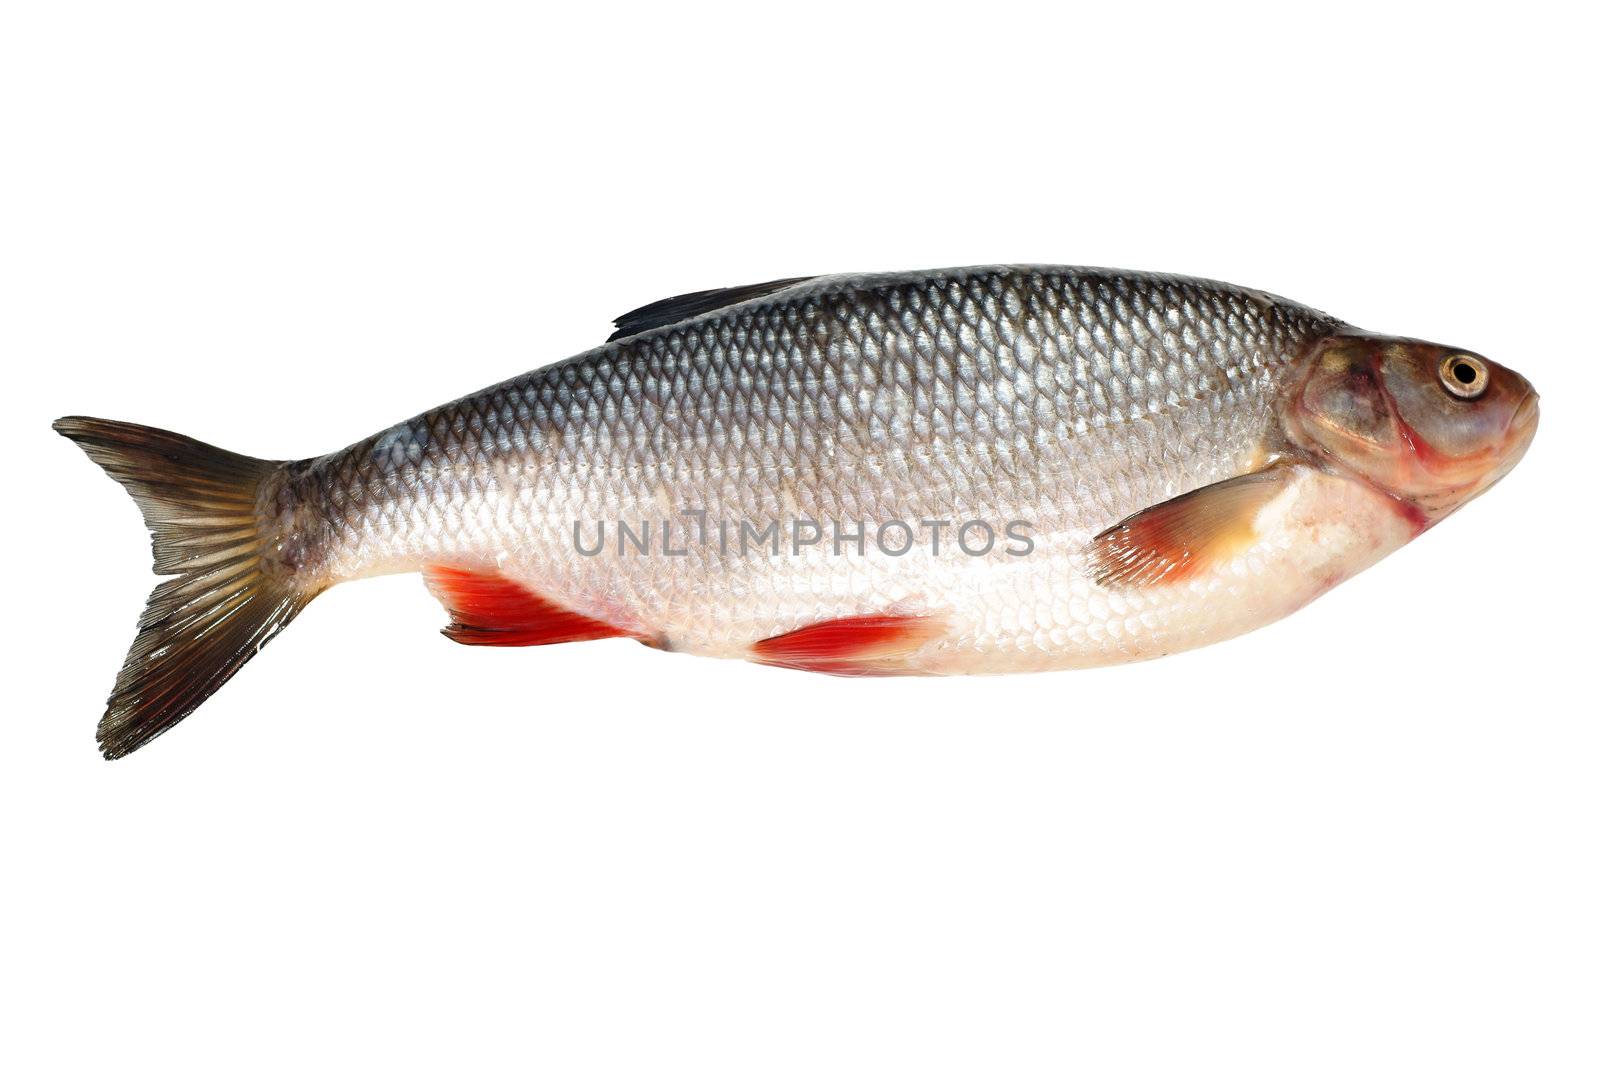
[(1519, 435), (1525, 419)]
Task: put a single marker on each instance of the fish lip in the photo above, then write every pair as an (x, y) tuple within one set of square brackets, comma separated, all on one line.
[(1518, 436), (1526, 417)]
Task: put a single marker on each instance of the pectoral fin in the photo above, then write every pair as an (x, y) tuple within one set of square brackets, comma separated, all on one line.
[(1182, 537)]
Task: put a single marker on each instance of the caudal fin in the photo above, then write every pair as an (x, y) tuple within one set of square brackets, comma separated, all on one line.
[(221, 606)]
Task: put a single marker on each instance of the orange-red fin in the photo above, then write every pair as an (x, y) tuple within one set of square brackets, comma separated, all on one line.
[(489, 609), (858, 645), (1181, 537)]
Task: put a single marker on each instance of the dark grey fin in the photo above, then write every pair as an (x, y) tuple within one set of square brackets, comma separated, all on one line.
[(678, 308), (223, 604), (1182, 537)]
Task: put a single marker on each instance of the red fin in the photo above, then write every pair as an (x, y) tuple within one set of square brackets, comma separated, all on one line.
[(861, 644), (488, 609), (1181, 536)]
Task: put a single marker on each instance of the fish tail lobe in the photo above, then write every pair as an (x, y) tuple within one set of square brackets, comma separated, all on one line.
[(227, 596)]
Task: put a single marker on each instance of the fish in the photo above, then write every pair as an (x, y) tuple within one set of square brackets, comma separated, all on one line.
[(978, 470)]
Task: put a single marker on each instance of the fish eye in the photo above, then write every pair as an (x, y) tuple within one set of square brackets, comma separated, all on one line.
[(1464, 376)]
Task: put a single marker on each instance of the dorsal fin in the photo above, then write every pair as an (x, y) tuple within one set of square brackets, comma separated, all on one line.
[(678, 308)]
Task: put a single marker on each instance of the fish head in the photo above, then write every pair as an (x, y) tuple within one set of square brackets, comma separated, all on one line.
[(1430, 425)]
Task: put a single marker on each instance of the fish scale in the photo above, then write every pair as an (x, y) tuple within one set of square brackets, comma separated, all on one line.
[(993, 394)]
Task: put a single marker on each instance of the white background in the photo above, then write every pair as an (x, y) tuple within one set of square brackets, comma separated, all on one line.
[(1366, 834)]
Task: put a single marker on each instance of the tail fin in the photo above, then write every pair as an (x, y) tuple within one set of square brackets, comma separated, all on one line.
[(221, 607)]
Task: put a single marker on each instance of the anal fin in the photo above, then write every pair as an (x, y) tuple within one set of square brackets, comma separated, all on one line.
[(486, 608), (858, 645), (1184, 536)]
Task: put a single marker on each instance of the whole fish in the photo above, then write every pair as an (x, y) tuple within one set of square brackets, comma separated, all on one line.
[(977, 470)]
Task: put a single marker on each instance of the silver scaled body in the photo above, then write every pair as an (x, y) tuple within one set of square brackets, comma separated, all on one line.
[(1060, 399)]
